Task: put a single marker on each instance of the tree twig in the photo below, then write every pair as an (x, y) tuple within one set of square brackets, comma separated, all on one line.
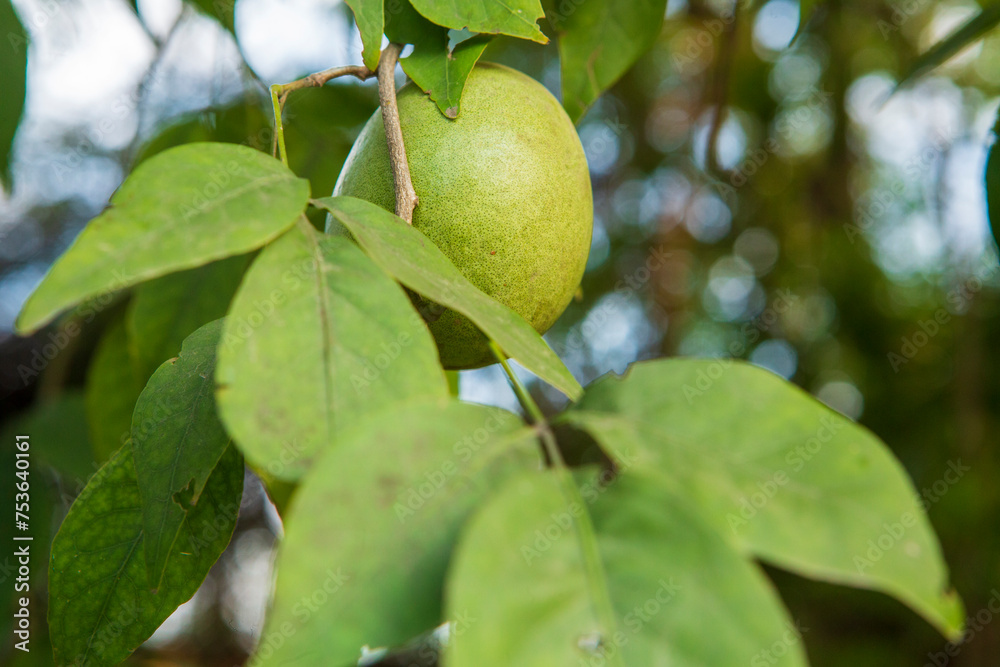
[(321, 78), (279, 93), (406, 196), (727, 52)]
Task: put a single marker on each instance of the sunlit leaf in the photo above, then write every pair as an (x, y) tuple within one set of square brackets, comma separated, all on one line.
[(180, 209), (177, 441), (357, 514), (442, 73), (409, 256), (779, 474), (317, 337), (100, 607), (517, 18), (369, 17)]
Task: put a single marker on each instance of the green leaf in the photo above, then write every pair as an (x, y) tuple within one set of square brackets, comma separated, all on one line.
[(100, 608), (180, 209), (356, 514), (316, 338), (779, 474), (494, 565), (442, 73), (599, 40), (13, 73), (965, 35), (405, 25), (369, 16), (177, 441), (993, 184), (223, 11), (415, 261), (165, 311), (517, 18), (668, 575), (439, 71), (112, 387)]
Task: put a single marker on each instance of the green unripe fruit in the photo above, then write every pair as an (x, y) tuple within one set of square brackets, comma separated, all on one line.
[(504, 192)]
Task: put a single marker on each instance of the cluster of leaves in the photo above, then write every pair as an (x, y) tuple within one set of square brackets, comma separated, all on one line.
[(413, 508), (302, 353)]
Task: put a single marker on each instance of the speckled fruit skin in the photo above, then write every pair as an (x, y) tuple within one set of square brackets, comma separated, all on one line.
[(504, 192)]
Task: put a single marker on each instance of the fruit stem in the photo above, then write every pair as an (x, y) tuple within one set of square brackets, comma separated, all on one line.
[(279, 130), (584, 526), (406, 196)]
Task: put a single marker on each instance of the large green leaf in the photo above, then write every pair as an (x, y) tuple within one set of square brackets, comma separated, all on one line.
[(993, 184), (164, 311), (667, 573), (518, 18), (415, 261), (13, 73), (112, 387), (100, 607), (316, 338), (177, 441), (778, 474), (369, 16), (183, 208), (373, 532), (599, 40), (966, 34)]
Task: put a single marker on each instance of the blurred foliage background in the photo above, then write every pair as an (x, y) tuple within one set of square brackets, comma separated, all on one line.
[(760, 192)]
